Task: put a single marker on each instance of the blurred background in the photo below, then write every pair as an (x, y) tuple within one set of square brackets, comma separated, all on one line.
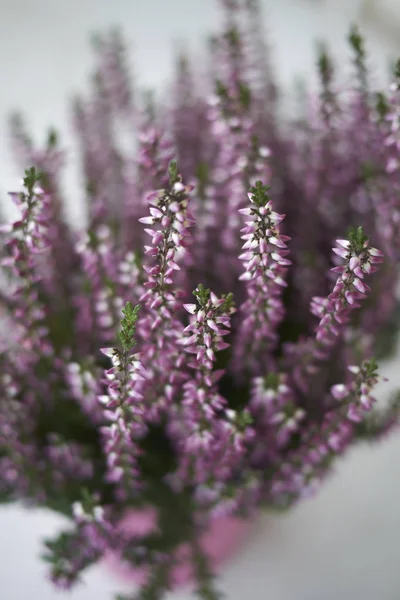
[(344, 544)]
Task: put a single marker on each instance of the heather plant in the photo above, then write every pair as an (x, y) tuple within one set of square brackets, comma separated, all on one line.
[(206, 343)]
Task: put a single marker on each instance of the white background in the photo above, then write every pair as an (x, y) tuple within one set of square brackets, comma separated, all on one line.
[(344, 544)]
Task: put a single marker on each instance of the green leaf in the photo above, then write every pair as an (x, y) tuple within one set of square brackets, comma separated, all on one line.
[(357, 238), (201, 294), (325, 65), (260, 193), (128, 326), (233, 37), (32, 177), (371, 368), (382, 105), (271, 381), (357, 41), (173, 173), (244, 96), (244, 419), (52, 138), (221, 90)]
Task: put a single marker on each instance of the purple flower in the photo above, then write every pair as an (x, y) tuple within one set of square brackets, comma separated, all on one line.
[(210, 437), (265, 278), (334, 310), (356, 396), (159, 329)]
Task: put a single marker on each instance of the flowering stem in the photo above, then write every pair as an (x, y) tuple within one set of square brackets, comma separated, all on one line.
[(334, 311), (264, 277)]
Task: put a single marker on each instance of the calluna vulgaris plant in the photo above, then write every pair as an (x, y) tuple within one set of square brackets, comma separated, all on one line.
[(120, 387)]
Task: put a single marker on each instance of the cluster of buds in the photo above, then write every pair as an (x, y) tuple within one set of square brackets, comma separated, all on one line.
[(357, 396), (84, 388), (68, 460), (273, 404)]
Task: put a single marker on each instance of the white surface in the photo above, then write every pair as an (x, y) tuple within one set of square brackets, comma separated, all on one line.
[(344, 544)]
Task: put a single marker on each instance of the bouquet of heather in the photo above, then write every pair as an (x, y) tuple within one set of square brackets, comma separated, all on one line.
[(206, 344)]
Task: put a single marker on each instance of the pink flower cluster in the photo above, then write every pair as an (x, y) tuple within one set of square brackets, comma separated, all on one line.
[(265, 276), (210, 440), (357, 395), (122, 408)]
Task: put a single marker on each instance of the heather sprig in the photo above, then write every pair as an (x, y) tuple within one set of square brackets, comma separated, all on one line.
[(209, 434), (99, 262), (356, 396), (122, 405), (276, 412), (68, 556), (128, 326), (26, 238), (265, 277), (203, 423), (334, 311), (160, 328), (357, 43)]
